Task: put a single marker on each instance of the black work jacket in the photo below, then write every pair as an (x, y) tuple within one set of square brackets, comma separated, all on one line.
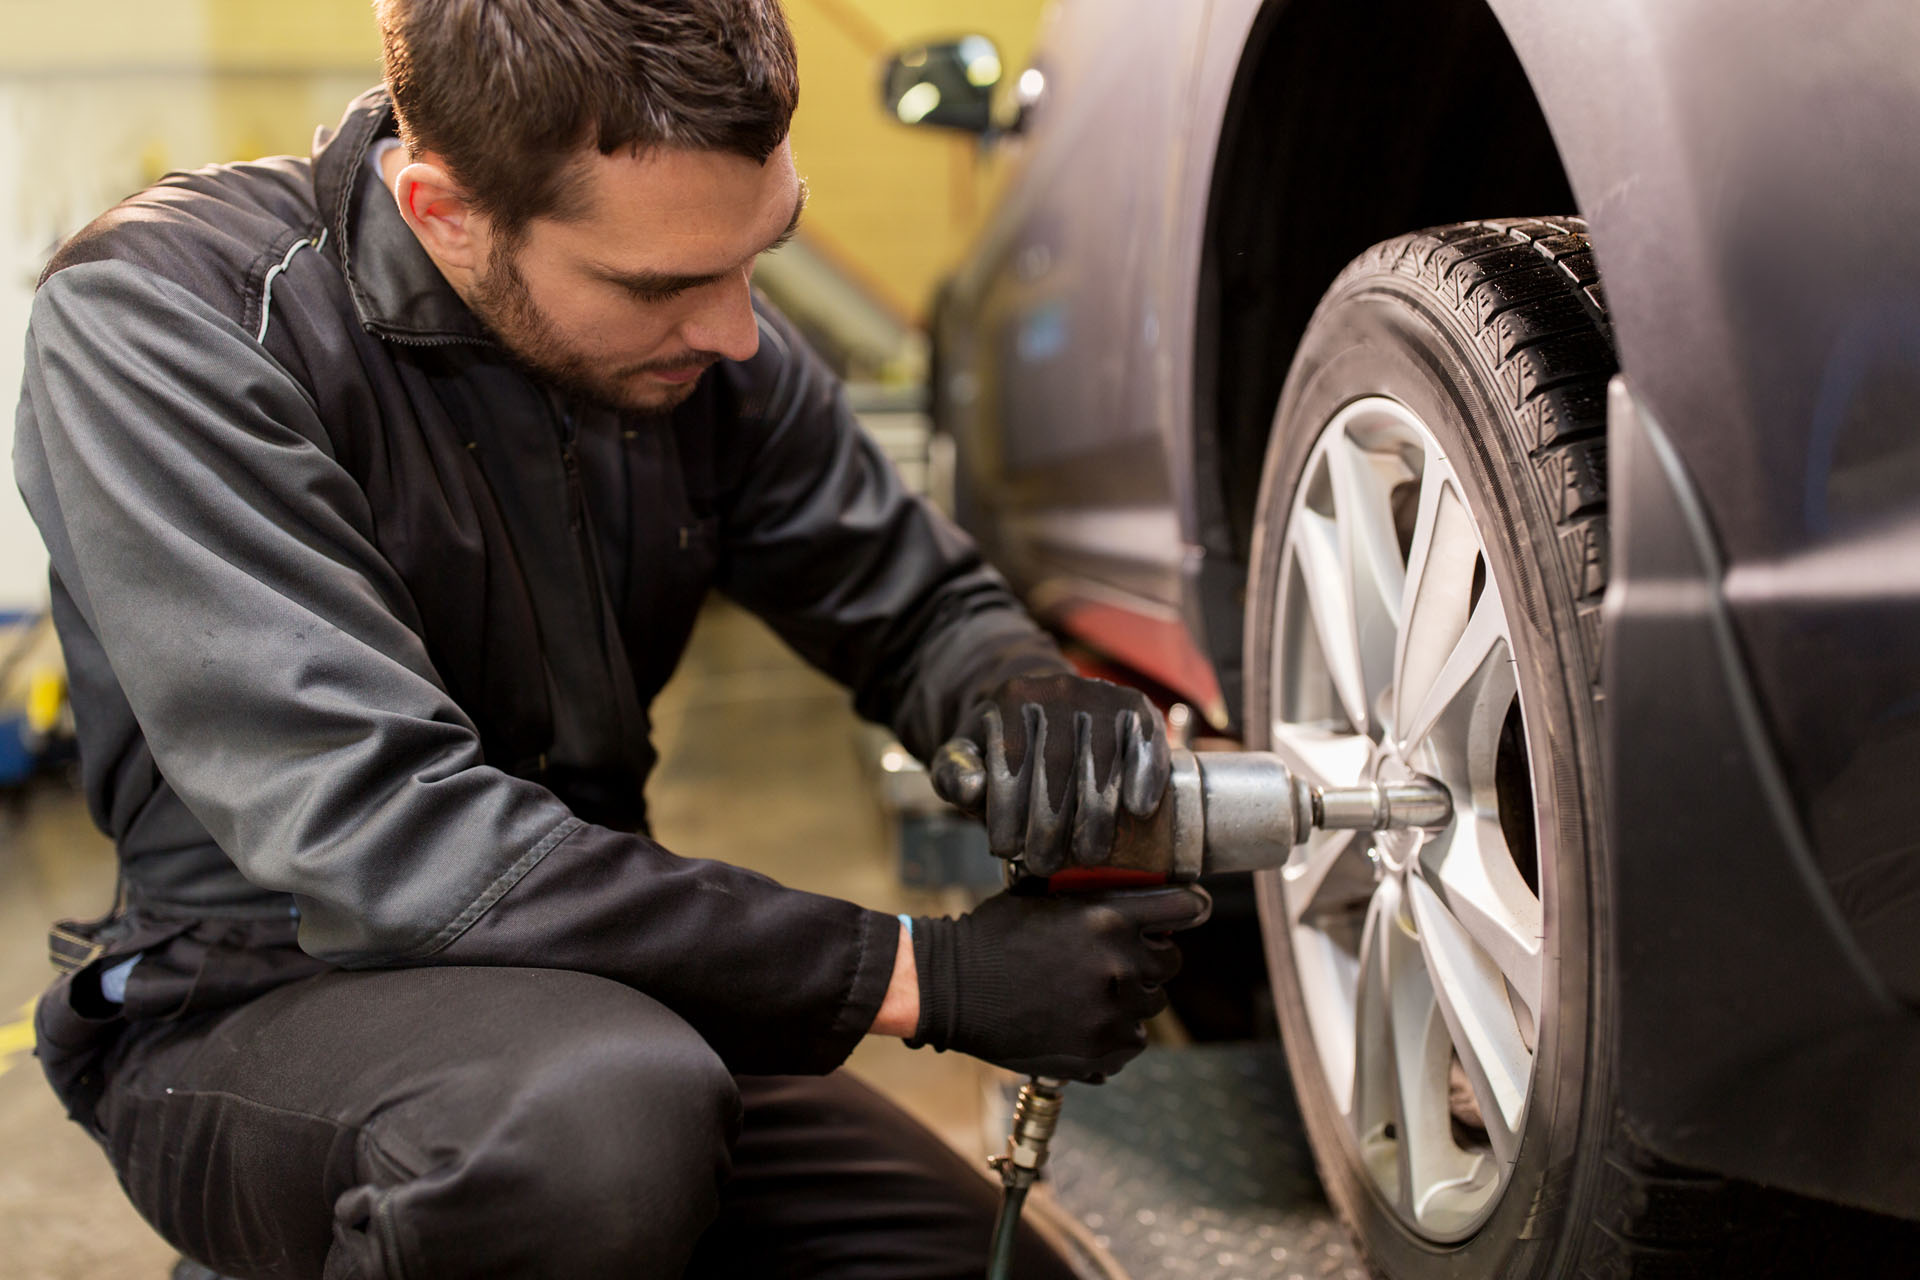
[(363, 622)]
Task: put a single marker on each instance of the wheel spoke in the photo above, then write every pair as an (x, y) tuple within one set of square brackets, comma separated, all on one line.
[(1432, 1163), (1369, 557), (1375, 1094), (1332, 972), (1326, 759), (1316, 548), (1439, 586), (1475, 879), (1462, 671), (1412, 1019), (1433, 483), (1471, 993), (1330, 872), (1402, 1055)]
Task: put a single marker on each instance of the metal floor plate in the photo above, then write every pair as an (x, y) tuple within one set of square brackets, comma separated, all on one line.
[(1192, 1164)]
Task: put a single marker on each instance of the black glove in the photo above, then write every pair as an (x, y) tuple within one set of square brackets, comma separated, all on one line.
[(1052, 986), (1048, 761)]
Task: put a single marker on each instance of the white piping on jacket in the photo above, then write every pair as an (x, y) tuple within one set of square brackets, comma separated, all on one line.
[(266, 288)]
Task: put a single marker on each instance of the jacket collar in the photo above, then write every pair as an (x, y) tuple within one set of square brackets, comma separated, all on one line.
[(397, 291)]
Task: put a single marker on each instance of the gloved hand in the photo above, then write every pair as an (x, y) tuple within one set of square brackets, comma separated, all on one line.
[(1052, 986), (1048, 761)]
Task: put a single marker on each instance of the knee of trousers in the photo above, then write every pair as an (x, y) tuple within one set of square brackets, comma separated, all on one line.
[(596, 1147)]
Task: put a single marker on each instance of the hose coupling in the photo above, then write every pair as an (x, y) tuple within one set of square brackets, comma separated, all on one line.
[(1035, 1114)]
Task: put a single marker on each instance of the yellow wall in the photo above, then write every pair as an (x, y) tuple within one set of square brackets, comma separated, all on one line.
[(92, 35), (896, 205), (253, 76)]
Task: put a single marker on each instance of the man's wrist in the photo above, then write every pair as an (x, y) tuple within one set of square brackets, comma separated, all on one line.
[(900, 1011)]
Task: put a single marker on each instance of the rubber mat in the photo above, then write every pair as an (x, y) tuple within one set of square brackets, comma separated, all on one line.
[(1192, 1164)]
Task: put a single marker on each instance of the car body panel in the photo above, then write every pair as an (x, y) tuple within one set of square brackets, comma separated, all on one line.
[(1086, 514), (1748, 170), (1755, 1035), (1061, 330)]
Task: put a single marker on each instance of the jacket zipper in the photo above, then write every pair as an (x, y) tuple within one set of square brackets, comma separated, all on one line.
[(588, 554), (576, 495)]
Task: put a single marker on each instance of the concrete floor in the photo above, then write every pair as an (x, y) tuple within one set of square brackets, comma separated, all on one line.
[(759, 768)]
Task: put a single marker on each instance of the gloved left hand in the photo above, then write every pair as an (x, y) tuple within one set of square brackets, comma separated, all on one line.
[(1052, 984), (1049, 761)]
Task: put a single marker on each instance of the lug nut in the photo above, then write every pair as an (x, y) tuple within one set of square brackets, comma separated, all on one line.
[(1380, 806)]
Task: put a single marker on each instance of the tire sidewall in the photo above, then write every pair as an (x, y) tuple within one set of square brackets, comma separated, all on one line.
[(1377, 334)]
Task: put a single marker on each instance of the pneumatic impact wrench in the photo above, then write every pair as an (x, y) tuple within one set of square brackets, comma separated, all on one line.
[(1223, 811)]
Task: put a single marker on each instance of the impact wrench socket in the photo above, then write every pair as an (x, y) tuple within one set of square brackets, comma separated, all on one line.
[(1247, 811)]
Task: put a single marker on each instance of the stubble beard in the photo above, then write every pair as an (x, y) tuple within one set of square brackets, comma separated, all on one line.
[(501, 299)]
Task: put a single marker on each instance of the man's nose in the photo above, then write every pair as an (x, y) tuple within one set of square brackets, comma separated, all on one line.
[(726, 325)]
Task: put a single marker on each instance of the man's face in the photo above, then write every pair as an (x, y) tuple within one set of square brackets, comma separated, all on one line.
[(629, 302)]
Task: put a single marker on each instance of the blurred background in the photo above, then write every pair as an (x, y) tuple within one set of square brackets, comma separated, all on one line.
[(102, 97), (99, 98)]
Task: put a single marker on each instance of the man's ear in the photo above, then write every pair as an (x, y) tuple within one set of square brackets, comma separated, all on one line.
[(437, 209)]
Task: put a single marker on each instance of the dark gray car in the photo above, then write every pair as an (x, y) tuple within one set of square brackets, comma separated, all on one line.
[(1524, 393)]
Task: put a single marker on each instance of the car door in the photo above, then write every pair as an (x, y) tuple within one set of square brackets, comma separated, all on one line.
[(1050, 333)]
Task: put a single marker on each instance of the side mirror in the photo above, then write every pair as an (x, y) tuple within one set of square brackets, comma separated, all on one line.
[(946, 84)]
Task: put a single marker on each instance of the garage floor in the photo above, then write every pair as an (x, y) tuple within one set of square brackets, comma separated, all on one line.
[(740, 703)]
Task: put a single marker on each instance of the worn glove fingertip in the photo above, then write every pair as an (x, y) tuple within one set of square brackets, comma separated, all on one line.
[(1006, 798), (1095, 807), (960, 776), (1148, 766)]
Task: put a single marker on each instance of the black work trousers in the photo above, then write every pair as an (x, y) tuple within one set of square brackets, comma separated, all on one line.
[(455, 1122)]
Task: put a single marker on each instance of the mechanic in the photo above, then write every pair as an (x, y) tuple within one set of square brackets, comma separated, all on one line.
[(381, 491)]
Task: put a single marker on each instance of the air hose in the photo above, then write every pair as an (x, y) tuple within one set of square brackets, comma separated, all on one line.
[(1035, 1113)]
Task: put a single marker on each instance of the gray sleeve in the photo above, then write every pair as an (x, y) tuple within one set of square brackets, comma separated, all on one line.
[(225, 562), (865, 580)]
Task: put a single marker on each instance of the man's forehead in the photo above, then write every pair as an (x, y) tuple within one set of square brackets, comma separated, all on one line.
[(675, 208)]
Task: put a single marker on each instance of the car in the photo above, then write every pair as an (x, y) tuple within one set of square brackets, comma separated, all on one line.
[(1525, 395)]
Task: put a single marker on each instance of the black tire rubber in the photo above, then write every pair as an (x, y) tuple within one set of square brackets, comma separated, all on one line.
[(1495, 334)]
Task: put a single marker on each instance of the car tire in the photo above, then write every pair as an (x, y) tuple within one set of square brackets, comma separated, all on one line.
[(1474, 358)]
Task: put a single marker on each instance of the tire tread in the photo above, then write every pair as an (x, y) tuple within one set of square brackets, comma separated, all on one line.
[(1528, 291)]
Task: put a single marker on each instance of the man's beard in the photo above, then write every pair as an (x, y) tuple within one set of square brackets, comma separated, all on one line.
[(502, 301)]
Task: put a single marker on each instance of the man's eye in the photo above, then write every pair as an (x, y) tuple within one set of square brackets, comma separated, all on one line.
[(656, 295)]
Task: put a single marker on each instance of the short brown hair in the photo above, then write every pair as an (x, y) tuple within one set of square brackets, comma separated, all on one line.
[(510, 92)]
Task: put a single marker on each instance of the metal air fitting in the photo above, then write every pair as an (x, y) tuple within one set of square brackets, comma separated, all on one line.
[(1035, 1113)]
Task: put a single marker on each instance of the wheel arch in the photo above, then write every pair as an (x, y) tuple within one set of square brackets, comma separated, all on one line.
[(1346, 124)]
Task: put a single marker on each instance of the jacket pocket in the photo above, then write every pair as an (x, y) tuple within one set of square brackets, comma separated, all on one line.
[(75, 1028)]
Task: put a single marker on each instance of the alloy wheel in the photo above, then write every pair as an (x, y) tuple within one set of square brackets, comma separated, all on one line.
[(1419, 955)]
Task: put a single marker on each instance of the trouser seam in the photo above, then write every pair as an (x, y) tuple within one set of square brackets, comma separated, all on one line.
[(243, 1100), (391, 1256)]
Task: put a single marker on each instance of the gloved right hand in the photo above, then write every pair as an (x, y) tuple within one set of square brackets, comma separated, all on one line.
[(1054, 764), (1052, 985)]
